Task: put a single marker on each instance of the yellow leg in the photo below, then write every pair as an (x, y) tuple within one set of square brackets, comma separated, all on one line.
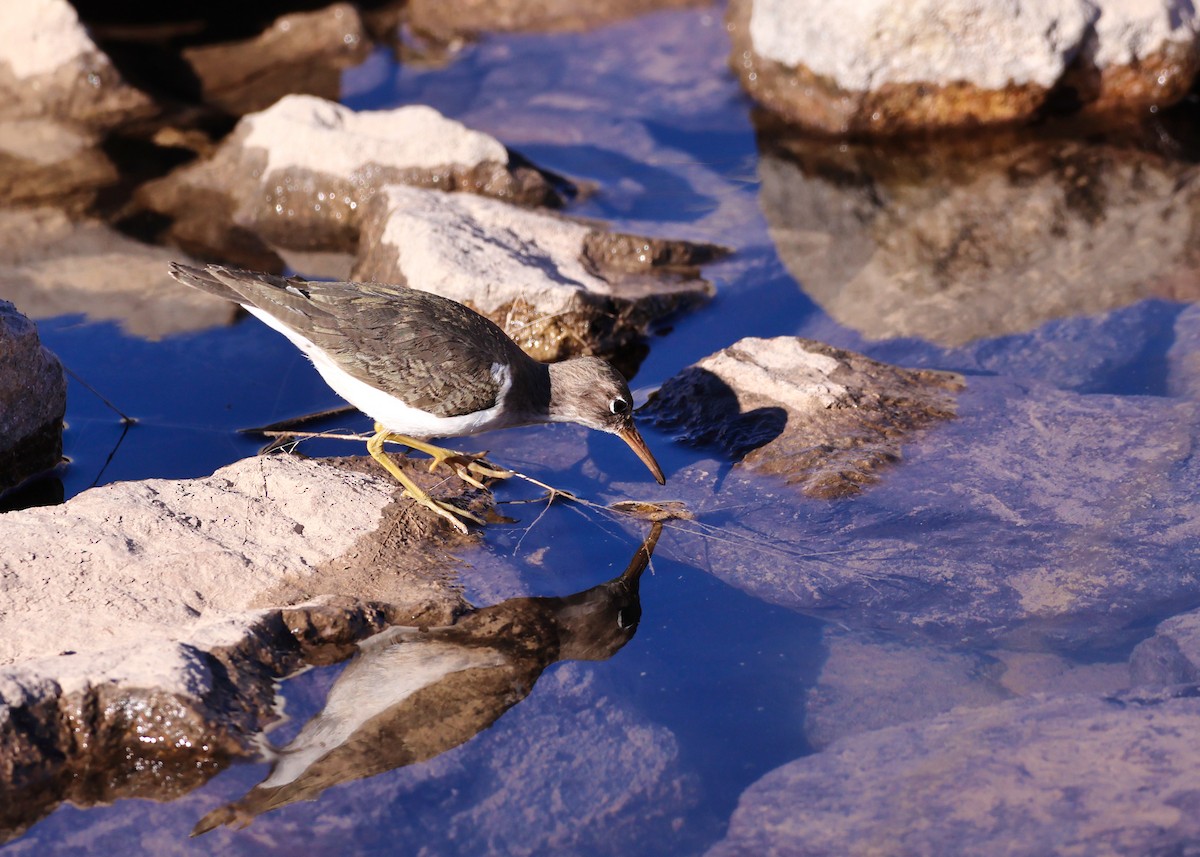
[(451, 513), (465, 465)]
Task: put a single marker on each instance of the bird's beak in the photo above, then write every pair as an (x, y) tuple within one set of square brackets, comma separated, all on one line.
[(630, 435)]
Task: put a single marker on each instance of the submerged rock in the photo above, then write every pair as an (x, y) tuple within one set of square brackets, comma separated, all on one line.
[(953, 242), (875, 68), (869, 682), (1171, 656), (52, 266), (824, 419), (558, 287), (1036, 520), (298, 175), (1140, 56), (33, 399), (142, 624), (1071, 774), (303, 52), (1183, 357)]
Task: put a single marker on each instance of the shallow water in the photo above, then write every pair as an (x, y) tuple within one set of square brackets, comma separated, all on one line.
[(648, 752)]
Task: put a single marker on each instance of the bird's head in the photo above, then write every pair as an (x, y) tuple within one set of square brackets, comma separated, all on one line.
[(589, 391)]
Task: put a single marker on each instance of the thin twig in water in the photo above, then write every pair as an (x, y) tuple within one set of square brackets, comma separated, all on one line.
[(686, 526), (125, 418)]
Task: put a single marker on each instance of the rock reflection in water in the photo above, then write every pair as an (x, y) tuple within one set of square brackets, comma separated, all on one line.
[(953, 241), (412, 694)]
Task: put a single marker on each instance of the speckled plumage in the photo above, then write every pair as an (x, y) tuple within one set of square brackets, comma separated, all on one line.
[(427, 351)]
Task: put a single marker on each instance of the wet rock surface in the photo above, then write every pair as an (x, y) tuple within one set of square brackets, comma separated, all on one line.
[(1041, 775), (182, 598), (303, 52), (1140, 56), (956, 242), (875, 69), (822, 418), (33, 398), (558, 287), (298, 174), (54, 266)]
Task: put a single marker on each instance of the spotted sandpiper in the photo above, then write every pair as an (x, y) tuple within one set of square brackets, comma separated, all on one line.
[(424, 366)]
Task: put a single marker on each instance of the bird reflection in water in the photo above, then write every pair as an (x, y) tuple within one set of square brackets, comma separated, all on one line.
[(411, 694)]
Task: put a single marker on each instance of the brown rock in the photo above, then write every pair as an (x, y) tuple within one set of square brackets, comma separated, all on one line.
[(1140, 57), (869, 682), (33, 399), (824, 419), (303, 52), (871, 68), (51, 68)]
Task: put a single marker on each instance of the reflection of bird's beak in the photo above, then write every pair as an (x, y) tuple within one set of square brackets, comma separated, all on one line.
[(630, 435)]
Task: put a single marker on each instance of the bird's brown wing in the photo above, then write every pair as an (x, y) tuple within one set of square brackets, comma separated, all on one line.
[(430, 352)]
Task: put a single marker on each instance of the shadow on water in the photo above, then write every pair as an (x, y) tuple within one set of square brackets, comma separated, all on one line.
[(706, 412), (411, 694)]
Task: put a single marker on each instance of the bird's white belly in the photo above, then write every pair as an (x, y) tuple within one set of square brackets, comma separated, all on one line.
[(396, 416)]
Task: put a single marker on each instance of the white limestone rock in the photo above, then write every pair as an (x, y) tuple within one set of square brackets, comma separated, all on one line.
[(557, 286), (297, 176), (50, 67)]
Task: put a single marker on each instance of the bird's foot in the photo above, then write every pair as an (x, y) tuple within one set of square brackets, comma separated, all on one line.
[(456, 516), (469, 467)]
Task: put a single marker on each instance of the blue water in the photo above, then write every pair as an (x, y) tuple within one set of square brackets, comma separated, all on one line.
[(716, 677)]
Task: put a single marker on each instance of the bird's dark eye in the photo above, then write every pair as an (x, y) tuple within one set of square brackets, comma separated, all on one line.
[(619, 406)]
